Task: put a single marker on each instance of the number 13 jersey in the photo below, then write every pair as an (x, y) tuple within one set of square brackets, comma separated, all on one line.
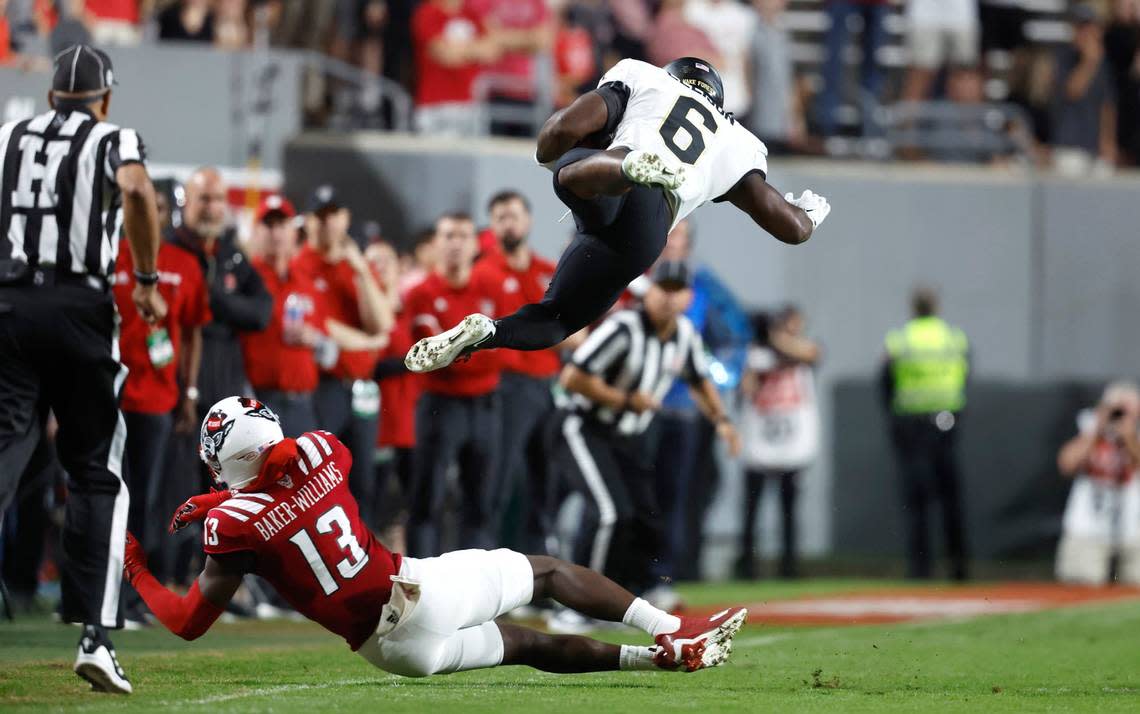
[(669, 118), (309, 542)]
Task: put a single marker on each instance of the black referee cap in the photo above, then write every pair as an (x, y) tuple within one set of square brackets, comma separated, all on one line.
[(672, 275), (82, 69)]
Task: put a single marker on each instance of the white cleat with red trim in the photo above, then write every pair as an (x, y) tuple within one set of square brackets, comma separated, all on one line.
[(700, 642)]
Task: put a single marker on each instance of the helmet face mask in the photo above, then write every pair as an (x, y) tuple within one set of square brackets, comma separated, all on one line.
[(700, 75), (236, 434)]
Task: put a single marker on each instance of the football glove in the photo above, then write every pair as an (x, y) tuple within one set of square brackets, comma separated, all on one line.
[(134, 559), (196, 508), (814, 205)]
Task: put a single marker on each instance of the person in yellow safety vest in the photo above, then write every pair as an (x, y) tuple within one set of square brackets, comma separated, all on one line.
[(924, 384)]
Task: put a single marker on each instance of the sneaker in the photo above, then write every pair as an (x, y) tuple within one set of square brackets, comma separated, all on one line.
[(96, 662), (569, 622), (438, 351), (650, 169), (663, 597), (700, 642)]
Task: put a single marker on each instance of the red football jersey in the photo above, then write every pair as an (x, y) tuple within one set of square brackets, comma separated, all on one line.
[(309, 542)]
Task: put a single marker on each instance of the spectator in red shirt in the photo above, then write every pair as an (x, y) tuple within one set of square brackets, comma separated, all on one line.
[(523, 29), (450, 47), (160, 357), (114, 22), (359, 319), (279, 360), (457, 418), (524, 392)]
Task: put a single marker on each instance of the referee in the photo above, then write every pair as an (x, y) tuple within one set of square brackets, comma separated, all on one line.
[(616, 380), (71, 182)]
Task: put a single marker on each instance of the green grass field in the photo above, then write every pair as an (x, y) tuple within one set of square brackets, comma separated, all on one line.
[(1083, 658)]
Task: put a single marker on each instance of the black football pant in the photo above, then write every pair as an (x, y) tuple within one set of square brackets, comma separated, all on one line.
[(928, 470), (59, 351), (464, 431), (618, 239), (622, 530)]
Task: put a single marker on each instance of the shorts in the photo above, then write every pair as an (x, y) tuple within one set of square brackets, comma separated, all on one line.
[(934, 47), (450, 627)]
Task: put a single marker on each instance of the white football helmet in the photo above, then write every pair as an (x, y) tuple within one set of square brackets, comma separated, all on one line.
[(236, 435)]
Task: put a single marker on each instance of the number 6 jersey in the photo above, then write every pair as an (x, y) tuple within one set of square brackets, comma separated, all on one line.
[(308, 541), (666, 117)]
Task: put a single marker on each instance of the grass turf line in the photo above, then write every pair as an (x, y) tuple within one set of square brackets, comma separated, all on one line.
[(1068, 660)]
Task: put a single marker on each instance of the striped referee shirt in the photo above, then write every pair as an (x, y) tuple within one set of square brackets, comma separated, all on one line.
[(60, 205), (627, 353)]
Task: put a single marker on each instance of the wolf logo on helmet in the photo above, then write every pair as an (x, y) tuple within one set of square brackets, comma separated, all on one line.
[(257, 409), (237, 433), (215, 429)]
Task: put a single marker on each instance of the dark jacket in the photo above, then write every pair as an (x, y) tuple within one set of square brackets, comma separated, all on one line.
[(239, 303)]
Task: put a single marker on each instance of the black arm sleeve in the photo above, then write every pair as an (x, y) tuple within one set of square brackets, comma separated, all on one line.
[(616, 96)]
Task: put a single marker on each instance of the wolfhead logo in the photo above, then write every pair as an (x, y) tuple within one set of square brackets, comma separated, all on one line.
[(255, 408), (214, 432)]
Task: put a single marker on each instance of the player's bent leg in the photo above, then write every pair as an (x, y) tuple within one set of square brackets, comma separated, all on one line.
[(588, 174), (690, 643)]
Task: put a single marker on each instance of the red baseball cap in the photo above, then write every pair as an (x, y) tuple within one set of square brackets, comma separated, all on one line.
[(272, 204)]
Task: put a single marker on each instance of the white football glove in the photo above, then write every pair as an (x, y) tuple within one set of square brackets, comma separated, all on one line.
[(813, 204)]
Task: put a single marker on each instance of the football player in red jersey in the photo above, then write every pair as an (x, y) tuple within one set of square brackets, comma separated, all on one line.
[(289, 517)]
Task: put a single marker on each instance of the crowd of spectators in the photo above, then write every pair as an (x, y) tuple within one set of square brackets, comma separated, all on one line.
[(799, 72)]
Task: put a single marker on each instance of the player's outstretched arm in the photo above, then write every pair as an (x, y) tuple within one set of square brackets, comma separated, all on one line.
[(189, 616), (790, 221), (566, 128)]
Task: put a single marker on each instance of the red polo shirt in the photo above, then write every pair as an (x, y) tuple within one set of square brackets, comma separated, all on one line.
[(437, 84), (336, 284), (270, 361), (399, 394), (518, 288), (435, 306), (150, 389), (528, 15)]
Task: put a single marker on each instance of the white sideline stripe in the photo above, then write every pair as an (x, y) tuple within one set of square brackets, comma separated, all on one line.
[(236, 514), (279, 689)]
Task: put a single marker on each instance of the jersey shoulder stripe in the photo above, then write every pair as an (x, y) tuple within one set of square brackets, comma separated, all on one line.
[(322, 441), (242, 504), (309, 454), (259, 496), (237, 515)]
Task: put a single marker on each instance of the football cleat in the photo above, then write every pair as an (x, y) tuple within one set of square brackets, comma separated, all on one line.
[(649, 169), (700, 642), (439, 351), (96, 662)]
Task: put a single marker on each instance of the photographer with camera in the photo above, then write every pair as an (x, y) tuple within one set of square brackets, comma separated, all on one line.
[(1102, 516)]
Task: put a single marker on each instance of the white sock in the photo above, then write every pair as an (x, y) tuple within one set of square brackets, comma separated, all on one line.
[(635, 658), (650, 619)]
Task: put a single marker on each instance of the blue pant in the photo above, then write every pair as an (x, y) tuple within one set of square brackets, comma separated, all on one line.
[(836, 41)]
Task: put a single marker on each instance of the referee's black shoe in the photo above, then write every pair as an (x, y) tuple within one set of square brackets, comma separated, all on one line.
[(96, 662)]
